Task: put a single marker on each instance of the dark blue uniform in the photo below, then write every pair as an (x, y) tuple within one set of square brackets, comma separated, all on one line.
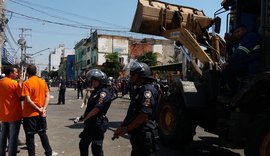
[(144, 99), (62, 92), (96, 126), (247, 55), (245, 60)]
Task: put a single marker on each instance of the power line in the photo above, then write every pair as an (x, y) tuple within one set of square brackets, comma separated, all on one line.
[(62, 24), (10, 34), (71, 14), (47, 21), (43, 12), (27, 18), (127, 33)]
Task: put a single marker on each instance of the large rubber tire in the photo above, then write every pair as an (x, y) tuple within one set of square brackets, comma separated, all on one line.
[(258, 143), (176, 125)]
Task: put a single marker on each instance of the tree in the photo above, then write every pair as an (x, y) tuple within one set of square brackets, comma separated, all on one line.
[(112, 66), (149, 58)]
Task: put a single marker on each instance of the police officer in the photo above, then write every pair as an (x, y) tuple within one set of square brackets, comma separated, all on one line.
[(62, 91), (94, 117), (140, 119)]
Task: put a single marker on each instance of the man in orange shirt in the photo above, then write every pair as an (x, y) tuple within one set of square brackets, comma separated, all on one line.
[(37, 98), (10, 110)]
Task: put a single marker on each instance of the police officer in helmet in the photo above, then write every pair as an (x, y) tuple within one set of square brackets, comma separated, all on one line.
[(139, 122), (94, 117)]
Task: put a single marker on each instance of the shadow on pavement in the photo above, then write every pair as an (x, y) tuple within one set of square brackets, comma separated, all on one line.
[(54, 104), (208, 146), (78, 125)]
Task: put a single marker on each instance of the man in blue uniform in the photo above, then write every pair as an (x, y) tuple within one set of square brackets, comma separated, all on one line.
[(140, 119), (245, 60), (94, 117)]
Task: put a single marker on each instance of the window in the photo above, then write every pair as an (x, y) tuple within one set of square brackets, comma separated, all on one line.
[(121, 60), (88, 49)]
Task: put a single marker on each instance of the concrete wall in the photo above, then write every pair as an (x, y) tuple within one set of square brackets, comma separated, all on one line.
[(108, 44)]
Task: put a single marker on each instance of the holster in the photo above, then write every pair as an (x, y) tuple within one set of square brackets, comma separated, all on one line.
[(151, 136), (103, 122)]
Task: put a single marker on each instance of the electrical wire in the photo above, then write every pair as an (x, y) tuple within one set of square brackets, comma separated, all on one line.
[(68, 13), (10, 34), (43, 12), (30, 19), (62, 24), (26, 17)]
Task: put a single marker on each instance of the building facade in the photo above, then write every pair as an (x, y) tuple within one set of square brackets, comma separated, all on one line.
[(7, 58), (80, 57), (91, 52), (56, 56)]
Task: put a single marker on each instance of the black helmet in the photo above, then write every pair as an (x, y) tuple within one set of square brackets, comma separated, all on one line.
[(96, 74), (141, 69)]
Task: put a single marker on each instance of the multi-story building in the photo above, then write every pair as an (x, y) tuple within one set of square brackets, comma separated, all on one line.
[(7, 58), (91, 52), (105, 44), (67, 70), (164, 49), (57, 56), (80, 57)]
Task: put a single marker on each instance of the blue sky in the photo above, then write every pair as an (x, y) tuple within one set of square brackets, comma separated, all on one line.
[(50, 20)]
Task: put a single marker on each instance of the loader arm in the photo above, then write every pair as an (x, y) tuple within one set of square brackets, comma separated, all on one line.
[(189, 42), (186, 25)]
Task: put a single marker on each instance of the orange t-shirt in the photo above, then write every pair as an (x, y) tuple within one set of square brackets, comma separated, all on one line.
[(36, 88), (10, 106)]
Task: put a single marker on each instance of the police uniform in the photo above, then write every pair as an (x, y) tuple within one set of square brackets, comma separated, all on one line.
[(143, 100), (96, 126)]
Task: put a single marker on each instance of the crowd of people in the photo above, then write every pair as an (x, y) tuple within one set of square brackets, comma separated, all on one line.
[(27, 101)]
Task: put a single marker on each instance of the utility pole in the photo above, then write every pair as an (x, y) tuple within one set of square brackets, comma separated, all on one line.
[(2, 32), (22, 43)]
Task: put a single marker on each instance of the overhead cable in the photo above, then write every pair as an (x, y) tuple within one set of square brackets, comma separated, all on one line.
[(68, 13), (63, 24)]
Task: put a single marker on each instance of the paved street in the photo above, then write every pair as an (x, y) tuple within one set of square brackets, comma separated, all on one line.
[(63, 133)]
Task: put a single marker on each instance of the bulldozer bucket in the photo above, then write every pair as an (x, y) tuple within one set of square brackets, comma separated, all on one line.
[(153, 17)]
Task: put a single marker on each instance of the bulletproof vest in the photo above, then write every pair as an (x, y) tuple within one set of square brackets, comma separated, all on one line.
[(94, 99), (136, 103)]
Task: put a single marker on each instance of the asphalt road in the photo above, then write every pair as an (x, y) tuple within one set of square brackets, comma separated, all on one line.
[(63, 133)]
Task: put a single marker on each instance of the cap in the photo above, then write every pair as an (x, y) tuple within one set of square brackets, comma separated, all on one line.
[(239, 26)]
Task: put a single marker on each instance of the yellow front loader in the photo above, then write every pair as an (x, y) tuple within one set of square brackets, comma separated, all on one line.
[(185, 25), (193, 99)]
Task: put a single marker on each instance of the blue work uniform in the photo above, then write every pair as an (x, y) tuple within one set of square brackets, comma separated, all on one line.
[(96, 126), (246, 57), (245, 60), (143, 100)]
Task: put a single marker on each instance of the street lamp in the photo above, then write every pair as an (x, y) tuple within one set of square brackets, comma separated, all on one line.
[(31, 56)]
